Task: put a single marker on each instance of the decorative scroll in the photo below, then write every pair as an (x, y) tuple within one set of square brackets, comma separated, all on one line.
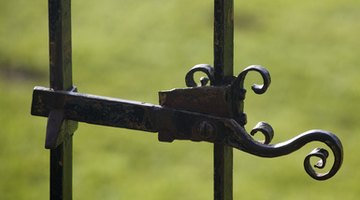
[(243, 141), (205, 68), (238, 83), (265, 129), (240, 139)]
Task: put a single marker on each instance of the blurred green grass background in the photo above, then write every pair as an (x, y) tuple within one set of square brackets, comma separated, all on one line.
[(132, 49)]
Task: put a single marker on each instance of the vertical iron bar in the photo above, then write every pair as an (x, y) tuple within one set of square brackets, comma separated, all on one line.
[(223, 40), (223, 64), (60, 79)]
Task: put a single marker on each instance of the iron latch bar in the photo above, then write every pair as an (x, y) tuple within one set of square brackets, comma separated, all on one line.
[(197, 113), (170, 123)]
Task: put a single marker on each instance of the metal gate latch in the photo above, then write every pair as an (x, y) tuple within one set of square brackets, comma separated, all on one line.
[(197, 113)]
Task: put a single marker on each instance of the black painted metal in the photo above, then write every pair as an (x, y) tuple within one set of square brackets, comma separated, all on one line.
[(223, 67), (60, 79), (180, 118), (198, 113)]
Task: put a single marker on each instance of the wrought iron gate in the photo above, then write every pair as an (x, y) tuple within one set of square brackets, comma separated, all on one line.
[(211, 111)]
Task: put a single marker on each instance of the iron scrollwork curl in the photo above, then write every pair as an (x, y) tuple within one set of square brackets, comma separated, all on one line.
[(265, 129), (237, 137), (243, 141), (237, 86), (205, 68), (238, 83)]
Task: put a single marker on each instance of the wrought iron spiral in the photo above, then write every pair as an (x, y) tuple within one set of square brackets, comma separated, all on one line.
[(205, 68), (239, 138), (238, 83), (243, 141)]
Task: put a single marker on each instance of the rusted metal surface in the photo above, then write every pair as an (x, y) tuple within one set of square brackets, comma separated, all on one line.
[(170, 122), (207, 100), (94, 109)]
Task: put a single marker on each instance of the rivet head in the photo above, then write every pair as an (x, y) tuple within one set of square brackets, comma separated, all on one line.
[(206, 130)]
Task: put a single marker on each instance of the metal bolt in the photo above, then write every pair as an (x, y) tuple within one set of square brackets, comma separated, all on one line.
[(206, 130)]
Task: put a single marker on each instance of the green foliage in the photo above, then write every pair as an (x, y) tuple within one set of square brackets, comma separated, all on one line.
[(133, 49)]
